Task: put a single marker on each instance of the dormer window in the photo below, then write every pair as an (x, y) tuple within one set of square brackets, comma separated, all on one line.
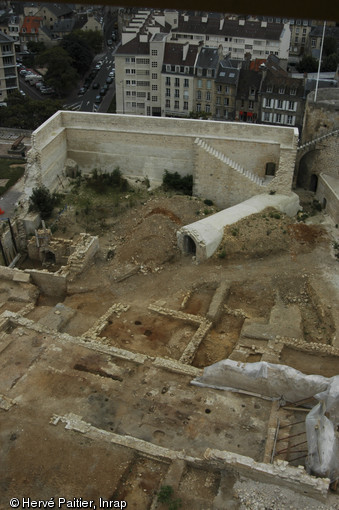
[(281, 90), (269, 88)]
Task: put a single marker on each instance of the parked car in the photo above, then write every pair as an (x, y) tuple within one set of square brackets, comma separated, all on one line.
[(109, 79), (98, 99), (39, 85), (47, 90), (95, 85), (82, 91), (112, 73), (109, 42)]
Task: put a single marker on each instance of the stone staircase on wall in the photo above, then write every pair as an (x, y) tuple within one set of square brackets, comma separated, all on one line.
[(318, 139), (229, 162)]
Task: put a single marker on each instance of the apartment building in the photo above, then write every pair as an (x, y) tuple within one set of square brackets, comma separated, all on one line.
[(226, 85), (206, 72), (178, 79), (236, 36), (300, 31), (282, 97), (8, 71), (248, 96)]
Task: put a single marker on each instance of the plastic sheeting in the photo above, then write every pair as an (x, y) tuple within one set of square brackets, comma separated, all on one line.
[(321, 425), (282, 382), (266, 379)]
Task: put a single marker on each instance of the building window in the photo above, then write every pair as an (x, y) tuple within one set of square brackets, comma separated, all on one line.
[(278, 118), (176, 105), (218, 100), (154, 98), (208, 108), (185, 105), (268, 103), (132, 59), (208, 84), (198, 107), (291, 105), (176, 93), (313, 43), (154, 53), (168, 92), (250, 105), (219, 89), (154, 76), (168, 80), (154, 87), (208, 96), (290, 119), (186, 83), (186, 95), (279, 104), (154, 64), (177, 82), (199, 94), (293, 92), (269, 88), (199, 84), (226, 101), (281, 90), (168, 103), (266, 117)]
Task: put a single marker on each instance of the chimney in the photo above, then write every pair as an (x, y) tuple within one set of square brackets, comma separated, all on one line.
[(185, 51), (221, 23)]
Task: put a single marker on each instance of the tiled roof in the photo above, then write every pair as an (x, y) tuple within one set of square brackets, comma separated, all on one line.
[(230, 28), (173, 54), (134, 47), (58, 9), (31, 24), (248, 79), (227, 74), (5, 38), (208, 58)]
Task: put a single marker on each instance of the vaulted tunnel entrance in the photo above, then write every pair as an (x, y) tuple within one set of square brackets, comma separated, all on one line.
[(189, 245)]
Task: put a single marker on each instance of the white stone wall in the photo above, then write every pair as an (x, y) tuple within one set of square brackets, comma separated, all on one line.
[(147, 146)]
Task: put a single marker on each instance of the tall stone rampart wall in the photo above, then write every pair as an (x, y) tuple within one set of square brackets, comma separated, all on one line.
[(321, 116), (147, 146)]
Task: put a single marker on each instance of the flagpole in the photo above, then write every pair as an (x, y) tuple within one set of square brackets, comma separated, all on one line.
[(319, 64)]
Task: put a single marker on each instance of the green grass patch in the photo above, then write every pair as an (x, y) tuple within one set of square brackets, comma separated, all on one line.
[(9, 171)]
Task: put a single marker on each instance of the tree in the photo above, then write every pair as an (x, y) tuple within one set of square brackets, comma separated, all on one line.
[(60, 74), (307, 64), (36, 46), (79, 51), (26, 113), (92, 38), (42, 201), (330, 46), (330, 62)]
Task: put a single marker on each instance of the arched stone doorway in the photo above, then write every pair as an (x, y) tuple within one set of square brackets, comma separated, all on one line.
[(313, 183), (189, 245)]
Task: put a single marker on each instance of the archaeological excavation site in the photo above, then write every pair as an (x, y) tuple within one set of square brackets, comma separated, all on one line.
[(167, 350)]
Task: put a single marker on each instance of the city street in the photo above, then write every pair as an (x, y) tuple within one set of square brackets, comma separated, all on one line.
[(86, 103)]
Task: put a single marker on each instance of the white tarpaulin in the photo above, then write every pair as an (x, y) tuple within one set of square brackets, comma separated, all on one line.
[(282, 382)]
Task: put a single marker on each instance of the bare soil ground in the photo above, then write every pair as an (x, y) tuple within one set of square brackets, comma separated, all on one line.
[(266, 258)]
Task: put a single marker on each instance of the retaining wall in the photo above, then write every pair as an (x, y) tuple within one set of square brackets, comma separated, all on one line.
[(147, 146)]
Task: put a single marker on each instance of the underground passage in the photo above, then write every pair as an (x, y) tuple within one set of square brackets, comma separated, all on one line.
[(189, 245)]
